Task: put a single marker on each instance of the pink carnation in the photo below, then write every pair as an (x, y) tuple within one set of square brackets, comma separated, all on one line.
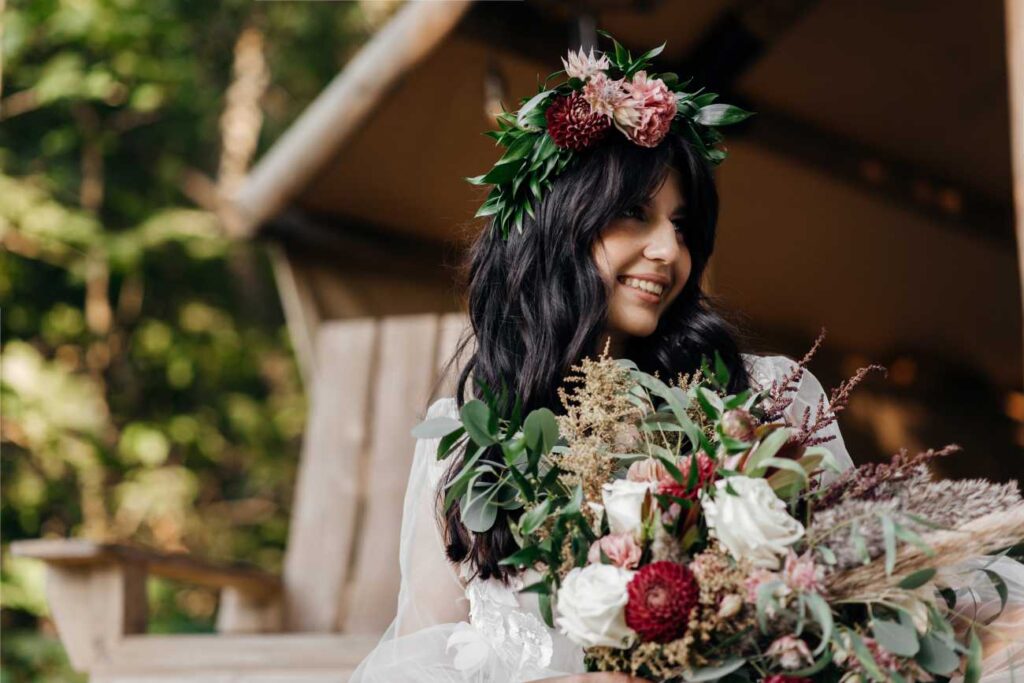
[(646, 114), (621, 549)]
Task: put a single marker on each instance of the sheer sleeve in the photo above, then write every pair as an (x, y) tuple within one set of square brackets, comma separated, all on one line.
[(766, 369), (431, 597)]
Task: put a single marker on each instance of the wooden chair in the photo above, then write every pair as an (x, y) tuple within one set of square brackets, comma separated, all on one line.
[(338, 591)]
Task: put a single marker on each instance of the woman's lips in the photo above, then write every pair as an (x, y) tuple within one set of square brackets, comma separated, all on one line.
[(646, 297)]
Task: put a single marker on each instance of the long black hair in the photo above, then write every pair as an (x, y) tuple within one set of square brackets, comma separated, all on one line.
[(538, 304)]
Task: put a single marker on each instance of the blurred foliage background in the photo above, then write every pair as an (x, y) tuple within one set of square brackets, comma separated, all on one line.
[(148, 389)]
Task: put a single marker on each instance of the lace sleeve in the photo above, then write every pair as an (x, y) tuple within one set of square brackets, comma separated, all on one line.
[(766, 369), (431, 598)]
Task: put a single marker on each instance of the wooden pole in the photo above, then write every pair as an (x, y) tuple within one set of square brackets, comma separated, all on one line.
[(1015, 74)]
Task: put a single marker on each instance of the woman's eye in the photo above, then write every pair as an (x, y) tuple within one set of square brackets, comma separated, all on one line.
[(633, 212)]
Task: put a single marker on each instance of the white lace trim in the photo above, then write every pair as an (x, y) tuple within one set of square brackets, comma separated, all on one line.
[(500, 636)]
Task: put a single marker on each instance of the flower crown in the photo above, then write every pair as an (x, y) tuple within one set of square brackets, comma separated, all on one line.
[(615, 90)]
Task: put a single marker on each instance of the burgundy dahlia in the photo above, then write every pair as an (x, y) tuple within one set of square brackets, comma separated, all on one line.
[(705, 474), (573, 124), (661, 597)]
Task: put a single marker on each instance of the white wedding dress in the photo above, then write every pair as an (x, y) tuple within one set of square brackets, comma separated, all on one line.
[(450, 629)]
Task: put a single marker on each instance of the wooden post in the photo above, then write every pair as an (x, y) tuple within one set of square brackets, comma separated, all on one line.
[(114, 597), (1015, 75)]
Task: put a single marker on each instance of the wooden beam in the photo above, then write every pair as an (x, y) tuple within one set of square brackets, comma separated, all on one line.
[(342, 108), (1015, 73), (941, 199), (82, 553), (738, 38), (363, 246)]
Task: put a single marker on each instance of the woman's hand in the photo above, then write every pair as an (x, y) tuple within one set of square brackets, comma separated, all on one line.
[(595, 678)]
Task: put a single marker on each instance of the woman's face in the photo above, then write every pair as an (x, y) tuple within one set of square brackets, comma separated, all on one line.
[(644, 261)]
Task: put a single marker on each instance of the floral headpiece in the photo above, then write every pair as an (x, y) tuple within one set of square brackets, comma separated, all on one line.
[(615, 90)]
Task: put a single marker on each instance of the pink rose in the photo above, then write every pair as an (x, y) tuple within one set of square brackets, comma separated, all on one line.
[(621, 549), (646, 114), (647, 469)]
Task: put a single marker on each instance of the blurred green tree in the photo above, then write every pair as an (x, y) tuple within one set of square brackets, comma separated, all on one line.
[(149, 391)]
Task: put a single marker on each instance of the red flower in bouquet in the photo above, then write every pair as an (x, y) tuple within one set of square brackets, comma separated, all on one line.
[(573, 124), (661, 597), (705, 474)]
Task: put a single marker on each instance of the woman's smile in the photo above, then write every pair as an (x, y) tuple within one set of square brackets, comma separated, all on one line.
[(645, 290)]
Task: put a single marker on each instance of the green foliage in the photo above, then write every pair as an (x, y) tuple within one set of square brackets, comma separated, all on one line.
[(148, 386)]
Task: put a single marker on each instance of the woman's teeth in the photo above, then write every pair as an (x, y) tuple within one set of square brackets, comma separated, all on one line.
[(644, 285)]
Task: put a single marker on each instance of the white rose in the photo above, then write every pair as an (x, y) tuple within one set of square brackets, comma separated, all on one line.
[(623, 503), (752, 525), (591, 604)]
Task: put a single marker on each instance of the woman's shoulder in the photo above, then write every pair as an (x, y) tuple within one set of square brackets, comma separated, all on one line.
[(443, 407)]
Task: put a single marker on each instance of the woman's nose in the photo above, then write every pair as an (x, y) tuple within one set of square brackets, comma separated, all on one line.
[(662, 244)]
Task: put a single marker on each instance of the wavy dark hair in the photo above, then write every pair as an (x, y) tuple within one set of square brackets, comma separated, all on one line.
[(538, 304)]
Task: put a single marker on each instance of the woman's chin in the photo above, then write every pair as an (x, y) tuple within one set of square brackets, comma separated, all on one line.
[(639, 326)]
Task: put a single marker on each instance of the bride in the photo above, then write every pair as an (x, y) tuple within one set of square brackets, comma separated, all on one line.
[(615, 255)]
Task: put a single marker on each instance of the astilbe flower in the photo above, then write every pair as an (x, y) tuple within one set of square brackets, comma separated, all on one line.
[(661, 597), (596, 413), (572, 124)]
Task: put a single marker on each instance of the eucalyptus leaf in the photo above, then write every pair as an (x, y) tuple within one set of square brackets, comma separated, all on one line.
[(935, 656), (476, 418), (436, 427), (864, 656), (889, 538), (713, 673), (822, 613), (477, 512), (917, 579), (541, 430), (898, 638), (972, 671), (768, 447), (534, 517)]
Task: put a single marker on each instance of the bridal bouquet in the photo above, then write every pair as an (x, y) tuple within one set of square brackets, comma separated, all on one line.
[(679, 532)]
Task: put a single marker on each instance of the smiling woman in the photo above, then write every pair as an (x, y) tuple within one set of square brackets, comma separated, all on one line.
[(615, 252), (643, 259)]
